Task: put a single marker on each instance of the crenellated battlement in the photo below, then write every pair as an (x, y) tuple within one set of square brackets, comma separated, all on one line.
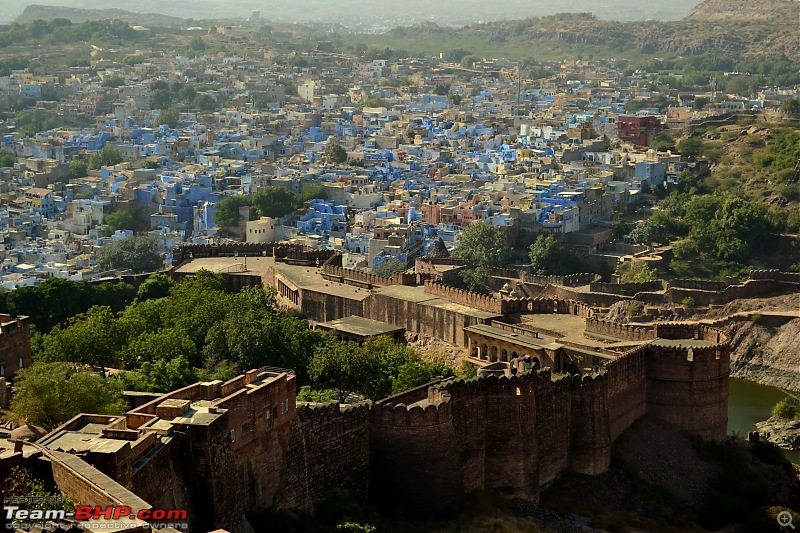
[(571, 280), (280, 251), (634, 332)]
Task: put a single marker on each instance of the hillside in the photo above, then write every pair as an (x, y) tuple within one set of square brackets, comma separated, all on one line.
[(40, 12), (727, 11), (764, 32)]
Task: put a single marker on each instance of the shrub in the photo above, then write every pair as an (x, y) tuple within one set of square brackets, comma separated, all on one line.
[(788, 408), (689, 303), (756, 318)]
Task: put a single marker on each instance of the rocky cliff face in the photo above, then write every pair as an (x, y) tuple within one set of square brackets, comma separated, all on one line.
[(768, 355)]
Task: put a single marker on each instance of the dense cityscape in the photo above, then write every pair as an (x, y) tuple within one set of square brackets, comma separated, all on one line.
[(260, 277)]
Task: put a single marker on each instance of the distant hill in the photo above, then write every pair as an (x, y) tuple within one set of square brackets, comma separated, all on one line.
[(34, 12), (780, 11), (766, 29), (380, 13)]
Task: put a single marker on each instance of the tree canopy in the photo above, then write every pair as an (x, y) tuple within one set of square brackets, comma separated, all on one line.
[(6, 159), (274, 201), (137, 254), (334, 153), (549, 258), (482, 247), (108, 156), (49, 394), (119, 220)]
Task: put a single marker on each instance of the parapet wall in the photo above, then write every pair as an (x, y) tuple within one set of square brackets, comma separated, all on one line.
[(289, 252), (627, 289), (761, 282), (632, 332), (570, 280), (777, 275), (359, 278), (484, 302)]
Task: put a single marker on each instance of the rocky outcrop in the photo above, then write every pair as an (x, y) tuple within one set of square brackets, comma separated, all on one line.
[(767, 355), (784, 433)]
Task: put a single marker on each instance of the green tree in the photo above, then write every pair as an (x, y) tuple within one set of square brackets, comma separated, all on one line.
[(160, 99), (663, 141), (137, 254), (636, 273), (204, 103), (6, 159), (345, 366), (441, 89), (481, 246), (162, 375), (187, 93), (389, 267), (94, 338), (171, 117), (156, 286), (307, 394), (620, 226), (334, 153), (78, 168), (700, 102), (108, 156), (691, 147), (454, 99), (549, 258), (274, 201), (417, 373), (310, 192), (198, 45), (113, 82), (49, 394), (791, 106), (119, 220), (226, 211)]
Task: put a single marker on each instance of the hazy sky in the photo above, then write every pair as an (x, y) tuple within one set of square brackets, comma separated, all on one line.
[(355, 12)]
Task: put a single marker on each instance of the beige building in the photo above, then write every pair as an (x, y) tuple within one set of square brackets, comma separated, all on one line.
[(261, 230)]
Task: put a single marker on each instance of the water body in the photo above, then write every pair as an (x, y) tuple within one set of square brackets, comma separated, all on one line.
[(750, 402)]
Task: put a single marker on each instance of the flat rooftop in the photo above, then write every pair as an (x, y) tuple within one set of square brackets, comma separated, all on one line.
[(363, 327), (76, 441), (543, 342), (418, 295), (305, 277)]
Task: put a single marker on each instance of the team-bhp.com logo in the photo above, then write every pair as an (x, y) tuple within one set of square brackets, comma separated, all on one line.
[(27, 514)]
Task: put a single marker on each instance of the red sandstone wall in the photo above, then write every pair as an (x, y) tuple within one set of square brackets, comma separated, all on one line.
[(328, 448), (160, 481), (690, 395), (627, 395)]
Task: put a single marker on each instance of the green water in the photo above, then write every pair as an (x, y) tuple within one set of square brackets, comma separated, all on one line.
[(750, 402)]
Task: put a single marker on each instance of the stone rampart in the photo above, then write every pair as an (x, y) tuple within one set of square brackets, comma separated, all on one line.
[(790, 277), (627, 289), (358, 278), (632, 332), (328, 448), (483, 302), (281, 251), (570, 280)]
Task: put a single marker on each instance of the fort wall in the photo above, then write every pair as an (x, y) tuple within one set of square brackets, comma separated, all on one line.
[(328, 448)]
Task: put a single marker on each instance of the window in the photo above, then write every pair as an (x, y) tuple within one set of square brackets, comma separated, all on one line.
[(233, 435), (2, 370), (268, 414), (21, 363), (285, 406)]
